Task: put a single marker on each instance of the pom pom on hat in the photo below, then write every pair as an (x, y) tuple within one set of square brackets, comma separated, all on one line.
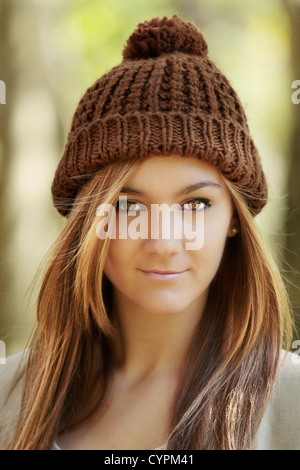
[(158, 36)]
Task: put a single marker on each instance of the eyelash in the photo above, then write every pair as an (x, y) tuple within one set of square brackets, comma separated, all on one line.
[(206, 202)]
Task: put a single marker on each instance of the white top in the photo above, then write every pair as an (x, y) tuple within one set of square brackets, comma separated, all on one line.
[(279, 429)]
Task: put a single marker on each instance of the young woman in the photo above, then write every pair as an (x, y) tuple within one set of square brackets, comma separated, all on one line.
[(143, 341)]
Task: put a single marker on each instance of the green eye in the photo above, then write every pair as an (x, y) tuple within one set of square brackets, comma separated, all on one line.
[(129, 206), (197, 205)]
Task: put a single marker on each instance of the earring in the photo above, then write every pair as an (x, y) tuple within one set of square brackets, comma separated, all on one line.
[(234, 230)]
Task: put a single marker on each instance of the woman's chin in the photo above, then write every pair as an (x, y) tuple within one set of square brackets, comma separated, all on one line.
[(165, 308)]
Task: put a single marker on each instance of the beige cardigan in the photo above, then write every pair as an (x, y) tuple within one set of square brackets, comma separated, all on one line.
[(279, 429)]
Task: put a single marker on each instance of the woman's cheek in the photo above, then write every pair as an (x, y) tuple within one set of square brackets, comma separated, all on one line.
[(214, 245), (216, 227)]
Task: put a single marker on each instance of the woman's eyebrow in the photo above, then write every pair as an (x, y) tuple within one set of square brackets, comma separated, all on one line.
[(193, 187), (185, 190), (129, 190)]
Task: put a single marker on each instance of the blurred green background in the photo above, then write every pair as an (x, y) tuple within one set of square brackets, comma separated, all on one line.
[(52, 50)]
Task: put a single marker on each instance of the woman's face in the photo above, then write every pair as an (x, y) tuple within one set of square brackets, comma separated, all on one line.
[(162, 275)]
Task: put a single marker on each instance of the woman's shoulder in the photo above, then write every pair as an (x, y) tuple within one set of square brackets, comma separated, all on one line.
[(11, 374), (280, 426)]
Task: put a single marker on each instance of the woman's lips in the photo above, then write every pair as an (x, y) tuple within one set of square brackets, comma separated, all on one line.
[(163, 275)]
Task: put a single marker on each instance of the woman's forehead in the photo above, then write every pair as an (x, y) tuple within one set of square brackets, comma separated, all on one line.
[(174, 171)]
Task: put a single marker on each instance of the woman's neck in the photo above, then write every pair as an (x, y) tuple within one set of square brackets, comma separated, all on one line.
[(152, 345)]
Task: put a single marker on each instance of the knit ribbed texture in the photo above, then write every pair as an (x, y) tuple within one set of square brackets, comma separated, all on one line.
[(165, 97)]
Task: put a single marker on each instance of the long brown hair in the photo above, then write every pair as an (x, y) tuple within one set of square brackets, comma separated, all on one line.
[(232, 361)]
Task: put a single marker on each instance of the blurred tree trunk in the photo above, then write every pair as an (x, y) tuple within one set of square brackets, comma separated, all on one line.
[(293, 217), (28, 147), (7, 221)]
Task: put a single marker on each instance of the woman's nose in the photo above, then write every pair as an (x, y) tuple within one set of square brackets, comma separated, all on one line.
[(165, 232), (163, 247)]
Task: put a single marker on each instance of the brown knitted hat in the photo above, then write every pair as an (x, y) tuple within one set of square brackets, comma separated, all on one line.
[(165, 97)]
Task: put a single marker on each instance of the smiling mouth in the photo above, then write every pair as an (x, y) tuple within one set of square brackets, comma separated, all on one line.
[(163, 275)]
